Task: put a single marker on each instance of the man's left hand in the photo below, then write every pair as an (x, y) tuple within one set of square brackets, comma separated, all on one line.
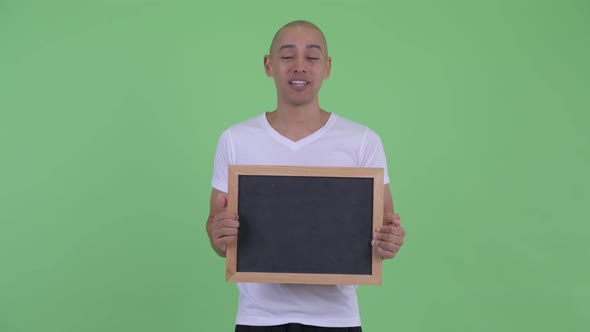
[(388, 239)]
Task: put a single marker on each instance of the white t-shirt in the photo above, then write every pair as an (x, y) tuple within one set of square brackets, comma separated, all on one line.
[(339, 143)]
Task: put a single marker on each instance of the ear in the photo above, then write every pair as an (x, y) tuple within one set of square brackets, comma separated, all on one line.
[(267, 62), (328, 68)]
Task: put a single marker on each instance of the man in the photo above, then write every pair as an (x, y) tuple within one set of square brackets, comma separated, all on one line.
[(298, 133)]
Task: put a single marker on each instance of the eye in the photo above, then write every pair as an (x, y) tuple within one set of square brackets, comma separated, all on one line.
[(312, 58), (286, 57)]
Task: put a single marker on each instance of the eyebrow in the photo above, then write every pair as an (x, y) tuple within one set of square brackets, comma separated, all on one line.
[(293, 46)]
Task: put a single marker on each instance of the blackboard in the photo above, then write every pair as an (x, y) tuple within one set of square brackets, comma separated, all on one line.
[(309, 225)]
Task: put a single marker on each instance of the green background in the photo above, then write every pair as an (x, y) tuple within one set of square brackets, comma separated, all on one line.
[(110, 112)]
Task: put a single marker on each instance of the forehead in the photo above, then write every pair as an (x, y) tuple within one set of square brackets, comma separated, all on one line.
[(300, 37)]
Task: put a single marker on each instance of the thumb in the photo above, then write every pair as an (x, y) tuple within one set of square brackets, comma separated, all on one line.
[(221, 201), (392, 218)]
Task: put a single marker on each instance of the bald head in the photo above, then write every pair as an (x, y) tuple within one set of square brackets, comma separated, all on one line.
[(294, 24)]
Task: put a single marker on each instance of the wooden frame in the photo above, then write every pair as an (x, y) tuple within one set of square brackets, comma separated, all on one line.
[(232, 275)]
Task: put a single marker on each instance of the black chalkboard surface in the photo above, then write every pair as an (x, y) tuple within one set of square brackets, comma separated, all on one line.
[(309, 225)]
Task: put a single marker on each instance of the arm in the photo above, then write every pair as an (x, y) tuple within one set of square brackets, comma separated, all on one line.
[(388, 239), (221, 226)]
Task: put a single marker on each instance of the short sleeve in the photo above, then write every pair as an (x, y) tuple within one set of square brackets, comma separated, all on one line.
[(223, 157), (373, 154)]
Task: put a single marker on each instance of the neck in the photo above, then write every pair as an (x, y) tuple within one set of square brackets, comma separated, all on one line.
[(298, 122)]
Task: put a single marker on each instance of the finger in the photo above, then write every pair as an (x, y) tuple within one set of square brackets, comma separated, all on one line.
[(396, 239), (385, 254), (225, 216), (228, 223), (392, 219), (383, 236), (224, 241), (396, 230), (390, 246), (221, 232), (221, 201)]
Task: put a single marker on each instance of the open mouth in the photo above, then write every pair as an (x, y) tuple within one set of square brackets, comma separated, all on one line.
[(298, 83)]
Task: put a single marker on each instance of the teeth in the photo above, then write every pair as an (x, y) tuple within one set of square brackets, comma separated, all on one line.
[(298, 82)]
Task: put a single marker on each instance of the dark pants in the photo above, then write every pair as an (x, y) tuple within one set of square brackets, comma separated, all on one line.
[(295, 328)]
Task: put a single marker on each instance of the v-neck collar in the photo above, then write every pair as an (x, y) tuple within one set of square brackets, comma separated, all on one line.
[(296, 145)]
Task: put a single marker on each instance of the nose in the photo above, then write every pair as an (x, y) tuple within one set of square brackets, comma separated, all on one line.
[(300, 65)]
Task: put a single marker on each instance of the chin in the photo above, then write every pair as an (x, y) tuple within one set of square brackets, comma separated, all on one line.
[(300, 101)]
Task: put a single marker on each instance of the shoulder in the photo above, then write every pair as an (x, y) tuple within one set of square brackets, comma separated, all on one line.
[(253, 122), (247, 126), (353, 128)]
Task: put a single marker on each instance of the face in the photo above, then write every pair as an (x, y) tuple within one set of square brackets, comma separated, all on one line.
[(298, 63)]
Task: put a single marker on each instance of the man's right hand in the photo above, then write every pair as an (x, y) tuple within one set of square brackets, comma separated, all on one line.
[(222, 226)]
